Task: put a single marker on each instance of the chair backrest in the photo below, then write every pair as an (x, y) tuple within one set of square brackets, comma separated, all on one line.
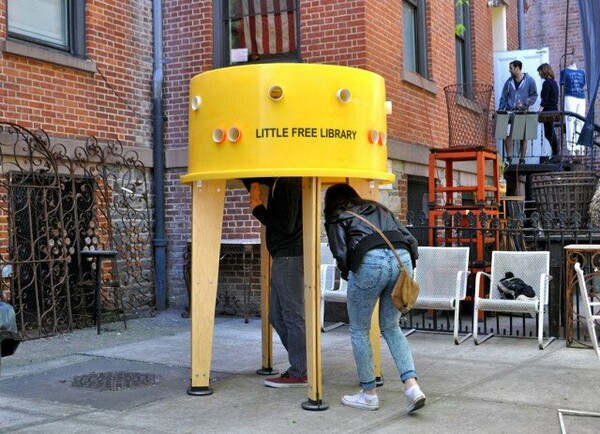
[(342, 285), (437, 268), (591, 318), (326, 255), (327, 268), (583, 292), (527, 266)]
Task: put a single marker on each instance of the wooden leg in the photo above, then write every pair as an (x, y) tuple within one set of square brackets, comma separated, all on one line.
[(311, 218), (370, 190), (208, 200)]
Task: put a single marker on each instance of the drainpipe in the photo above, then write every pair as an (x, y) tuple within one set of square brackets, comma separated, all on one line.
[(159, 242), (521, 21)]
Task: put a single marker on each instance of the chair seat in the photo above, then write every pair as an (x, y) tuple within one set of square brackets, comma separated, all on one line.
[(434, 303), (497, 305), (335, 295)]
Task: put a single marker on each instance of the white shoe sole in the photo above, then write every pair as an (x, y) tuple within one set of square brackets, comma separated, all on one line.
[(418, 403), (284, 385), (360, 405)]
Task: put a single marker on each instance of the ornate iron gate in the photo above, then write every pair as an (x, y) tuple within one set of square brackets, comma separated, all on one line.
[(57, 200)]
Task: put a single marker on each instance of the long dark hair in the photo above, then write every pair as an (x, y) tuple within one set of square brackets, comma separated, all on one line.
[(339, 196), (546, 71)]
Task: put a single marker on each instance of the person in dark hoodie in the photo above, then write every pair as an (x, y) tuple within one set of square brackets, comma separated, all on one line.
[(370, 267), (282, 218)]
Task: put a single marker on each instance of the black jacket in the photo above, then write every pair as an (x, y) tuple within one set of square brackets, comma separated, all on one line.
[(283, 216), (350, 238), (549, 95)]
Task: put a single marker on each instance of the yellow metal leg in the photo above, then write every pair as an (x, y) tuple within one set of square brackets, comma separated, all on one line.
[(311, 219), (207, 219), (370, 190)]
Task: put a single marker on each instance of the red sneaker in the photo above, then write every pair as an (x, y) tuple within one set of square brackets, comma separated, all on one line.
[(286, 380)]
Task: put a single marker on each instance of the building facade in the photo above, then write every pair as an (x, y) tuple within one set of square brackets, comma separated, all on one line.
[(411, 43), (76, 78), (76, 156), (551, 24)]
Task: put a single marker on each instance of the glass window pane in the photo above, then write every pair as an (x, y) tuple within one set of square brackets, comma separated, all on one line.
[(464, 62), (43, 20), (458, 15), (460, 61), (261, 29), (409, 22)]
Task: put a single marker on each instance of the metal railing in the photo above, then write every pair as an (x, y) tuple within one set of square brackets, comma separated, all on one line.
[(56, 200)]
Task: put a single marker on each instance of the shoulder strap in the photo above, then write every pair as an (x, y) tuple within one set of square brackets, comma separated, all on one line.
[(380, 234)]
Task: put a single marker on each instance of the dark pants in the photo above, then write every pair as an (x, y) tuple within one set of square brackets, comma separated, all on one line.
[(550, 135), (286, 309)]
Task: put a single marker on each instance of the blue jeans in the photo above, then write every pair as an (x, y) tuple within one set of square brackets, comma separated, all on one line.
[(373, 281), (286, 309)]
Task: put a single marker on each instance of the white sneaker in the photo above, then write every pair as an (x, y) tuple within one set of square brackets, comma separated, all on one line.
[(361, 400), (416, 399)]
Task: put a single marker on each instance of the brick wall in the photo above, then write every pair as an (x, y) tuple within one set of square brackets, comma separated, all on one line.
[(545, 26), (545, 23), (178, 229), (512, 25), (68, 102), (113, 103), (188, 43)]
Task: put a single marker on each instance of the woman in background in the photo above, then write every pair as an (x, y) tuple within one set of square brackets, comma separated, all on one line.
[(549, 96), (366, 261)]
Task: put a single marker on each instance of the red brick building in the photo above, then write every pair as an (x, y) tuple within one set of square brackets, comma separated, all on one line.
[(91, 74), (411, 43), (548, 23), (78, 76), (95, 82)]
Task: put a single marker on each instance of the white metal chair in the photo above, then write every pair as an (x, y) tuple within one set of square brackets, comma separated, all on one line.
[(329, 291), (442, 276), (590, 317), (534, 269)]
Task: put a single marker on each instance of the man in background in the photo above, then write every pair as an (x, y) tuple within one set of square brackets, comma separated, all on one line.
[(518, 94)]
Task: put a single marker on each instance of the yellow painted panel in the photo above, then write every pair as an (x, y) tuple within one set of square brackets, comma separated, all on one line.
[(330, 121)]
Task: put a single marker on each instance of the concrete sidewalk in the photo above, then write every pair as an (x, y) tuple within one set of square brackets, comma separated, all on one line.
[(505, 385)]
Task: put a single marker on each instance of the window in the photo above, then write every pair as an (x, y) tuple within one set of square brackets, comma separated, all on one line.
[(256, 31), (417, 196), (464, 58), (57, 24), (415, 36)]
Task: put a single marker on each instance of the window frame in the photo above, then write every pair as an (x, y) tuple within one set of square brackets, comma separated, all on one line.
[(221, 40), (464, 62), (421, 45), (75, 31)]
